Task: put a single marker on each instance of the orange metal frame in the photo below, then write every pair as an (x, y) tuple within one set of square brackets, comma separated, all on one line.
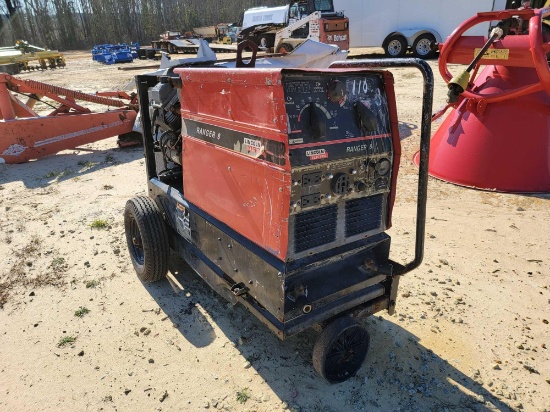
[(24, 135)]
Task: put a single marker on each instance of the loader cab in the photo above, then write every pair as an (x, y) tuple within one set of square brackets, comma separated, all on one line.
[(304, 8)]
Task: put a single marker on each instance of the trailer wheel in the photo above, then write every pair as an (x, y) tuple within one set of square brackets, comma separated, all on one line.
[(422, 46), (147, 238), (395, 45), (284, 48), (340, 349)]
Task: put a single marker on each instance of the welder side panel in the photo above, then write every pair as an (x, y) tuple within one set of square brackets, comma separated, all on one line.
[(248, 195)]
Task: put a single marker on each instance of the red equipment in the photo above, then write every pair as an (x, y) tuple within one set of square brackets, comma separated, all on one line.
[(24, 135), (277, 186), (497, 137)]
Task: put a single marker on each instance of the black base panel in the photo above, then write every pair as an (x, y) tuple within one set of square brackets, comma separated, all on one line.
[(286, 301)]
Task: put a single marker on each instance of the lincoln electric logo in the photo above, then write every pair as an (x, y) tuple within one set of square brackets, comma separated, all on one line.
[(252, 146), (317, 154)]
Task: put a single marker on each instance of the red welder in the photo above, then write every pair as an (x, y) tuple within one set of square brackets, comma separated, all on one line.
[(276, 186)]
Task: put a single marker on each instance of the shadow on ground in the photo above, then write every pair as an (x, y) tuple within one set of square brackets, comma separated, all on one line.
[(41, 173), (399, 373)]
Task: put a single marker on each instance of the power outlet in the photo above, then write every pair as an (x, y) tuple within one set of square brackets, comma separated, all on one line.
[(340, 184), (311, 179), (311, 200)]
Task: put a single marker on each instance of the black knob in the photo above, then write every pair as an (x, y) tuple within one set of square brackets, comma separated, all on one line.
[(360, 186)]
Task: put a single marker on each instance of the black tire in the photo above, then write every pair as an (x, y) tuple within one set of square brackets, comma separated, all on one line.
[(423, 46), (284, 48), (340, 349), (10, 68), (147, 238), (266, 41), (395, 45)]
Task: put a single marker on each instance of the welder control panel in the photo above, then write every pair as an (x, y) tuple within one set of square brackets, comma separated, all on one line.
[(340, 141)]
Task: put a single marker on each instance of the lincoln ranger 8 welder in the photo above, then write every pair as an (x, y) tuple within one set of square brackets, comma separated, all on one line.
[(277, 187)]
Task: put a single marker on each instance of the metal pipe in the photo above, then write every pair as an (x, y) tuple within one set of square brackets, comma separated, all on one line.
[(425, 135)]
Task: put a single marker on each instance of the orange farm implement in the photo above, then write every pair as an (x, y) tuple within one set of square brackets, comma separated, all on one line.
[(25, 135)]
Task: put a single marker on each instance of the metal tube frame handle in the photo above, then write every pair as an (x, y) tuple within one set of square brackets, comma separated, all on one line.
[(425, 135)]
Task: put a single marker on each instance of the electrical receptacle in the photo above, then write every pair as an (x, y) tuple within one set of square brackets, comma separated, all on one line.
[(311, 179), (311, 200)]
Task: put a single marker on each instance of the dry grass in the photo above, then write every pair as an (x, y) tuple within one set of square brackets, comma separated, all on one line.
[(18, 274)]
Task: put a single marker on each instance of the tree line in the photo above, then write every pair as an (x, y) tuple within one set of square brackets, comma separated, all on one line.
[(77, 24)]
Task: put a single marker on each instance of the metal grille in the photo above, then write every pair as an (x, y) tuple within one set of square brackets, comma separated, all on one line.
[(315, 228), (363, 214)]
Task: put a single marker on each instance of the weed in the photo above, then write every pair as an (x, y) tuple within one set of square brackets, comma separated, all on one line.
[(59, 265), (24, 259), (243, 395), (99, 224), (90, 284), (53, 173), (56, 174), (86, 164), (81, 311), (107, 187), (65, 340), (109, 158), (4, 295)]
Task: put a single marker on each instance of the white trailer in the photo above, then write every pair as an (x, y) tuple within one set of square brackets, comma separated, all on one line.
[(397, 25)]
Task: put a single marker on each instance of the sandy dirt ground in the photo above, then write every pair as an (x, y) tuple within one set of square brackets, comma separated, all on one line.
[(80, 332)]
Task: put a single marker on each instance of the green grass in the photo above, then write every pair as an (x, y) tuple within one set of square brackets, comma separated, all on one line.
[(65, 340), (81, 311), (58, 262), (243, 395), (86, 164), (55, 173), (99, 224), (90, 284)]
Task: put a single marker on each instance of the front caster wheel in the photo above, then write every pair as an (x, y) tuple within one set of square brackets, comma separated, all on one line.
[(340, 349), (147, 238)]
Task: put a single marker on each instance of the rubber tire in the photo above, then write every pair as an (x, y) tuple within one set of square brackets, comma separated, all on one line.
[(395, 46), (147, 238), (265, 41), (284, 48), (339, 330), (424, 41)]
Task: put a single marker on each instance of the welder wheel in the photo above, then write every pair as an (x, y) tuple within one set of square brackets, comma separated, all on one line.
[(340, 349), (284, 48), (147, 238), (395, 45), (423, 46)]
